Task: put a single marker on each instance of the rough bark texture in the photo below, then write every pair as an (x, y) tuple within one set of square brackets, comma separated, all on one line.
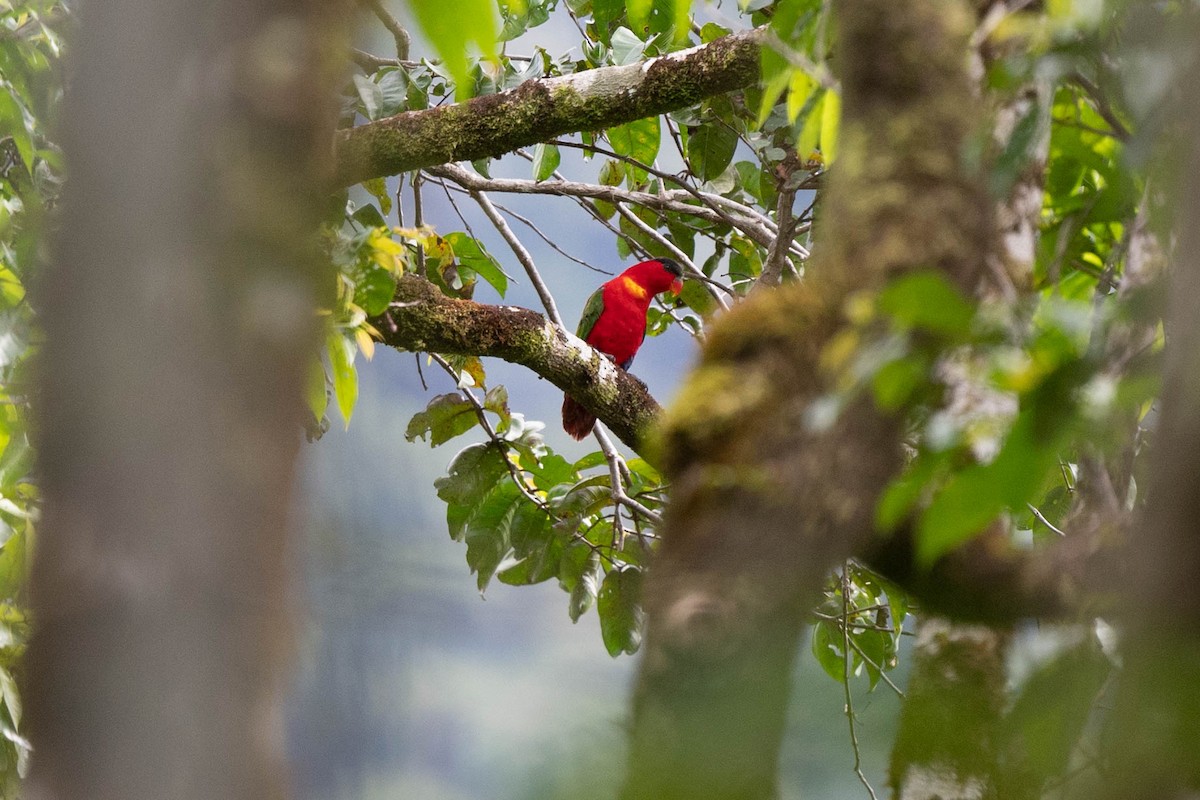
[(424, 319), (542, 109), (763, 501), (948, 742), (179, 325)]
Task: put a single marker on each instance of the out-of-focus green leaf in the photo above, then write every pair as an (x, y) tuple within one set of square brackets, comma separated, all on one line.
[(619, 605), (831, 115), (452, 28), (317, 390), (928, 301), (827, 649)]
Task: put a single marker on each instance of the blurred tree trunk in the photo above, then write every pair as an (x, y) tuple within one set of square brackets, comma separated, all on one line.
[(948, 742), (764, 499), (179, 321), (1155, 730)]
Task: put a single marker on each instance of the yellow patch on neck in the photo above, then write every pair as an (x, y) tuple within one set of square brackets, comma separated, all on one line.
[(635, 288)]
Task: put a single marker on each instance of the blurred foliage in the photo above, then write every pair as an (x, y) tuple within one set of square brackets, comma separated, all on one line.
[(30, 179)]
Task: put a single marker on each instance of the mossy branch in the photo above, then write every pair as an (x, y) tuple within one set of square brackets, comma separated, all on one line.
[(539, 110), (423, 319)]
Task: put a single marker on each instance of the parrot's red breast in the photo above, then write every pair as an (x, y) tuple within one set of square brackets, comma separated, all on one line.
[(614, 322)]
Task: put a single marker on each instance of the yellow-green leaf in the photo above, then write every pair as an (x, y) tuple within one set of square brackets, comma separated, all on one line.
[(345, 378), (831, 115)]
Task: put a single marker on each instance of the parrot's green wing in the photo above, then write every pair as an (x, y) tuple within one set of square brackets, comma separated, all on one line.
[(591, 313)]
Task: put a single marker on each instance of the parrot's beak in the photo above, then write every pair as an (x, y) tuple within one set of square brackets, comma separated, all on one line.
[(676, 286)]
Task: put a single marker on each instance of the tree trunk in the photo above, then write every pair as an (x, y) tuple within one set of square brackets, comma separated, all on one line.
[(764, 499), (179, 320)]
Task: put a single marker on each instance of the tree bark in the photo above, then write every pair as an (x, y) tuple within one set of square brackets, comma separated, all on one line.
[(949, 738), (1156, 724), (764, 498), (539, 110), (178, 313)]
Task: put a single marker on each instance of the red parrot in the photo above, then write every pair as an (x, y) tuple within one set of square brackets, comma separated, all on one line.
[(614, 322)]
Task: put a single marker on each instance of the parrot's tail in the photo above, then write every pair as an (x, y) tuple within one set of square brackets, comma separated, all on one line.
[(577, 420)]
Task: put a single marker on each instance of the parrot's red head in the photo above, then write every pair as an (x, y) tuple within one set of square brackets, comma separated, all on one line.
[(657, 276)]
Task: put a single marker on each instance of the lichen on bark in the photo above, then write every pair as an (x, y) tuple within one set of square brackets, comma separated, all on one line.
[(539, 110)]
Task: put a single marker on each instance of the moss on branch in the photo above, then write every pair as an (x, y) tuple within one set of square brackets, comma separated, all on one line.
[(539, 110), (423, 319)]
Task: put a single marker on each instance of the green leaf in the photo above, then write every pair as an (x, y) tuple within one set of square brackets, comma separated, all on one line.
[(800, 89), (316, 389), (374, 289), (827, 649), (627, 47), (711, 32), (831, 115), (638, 12), (472, 474), (638, 140), (368, 216), (446, 416), (902, 494), (697, 297), (378, 189), (619, 606), (488, 531), (471, 254), (928, 301), (496, 401), (710, 149), (583, 594), (345, 377), (604, 13), (12, 698), (897, 381), (546, 159)]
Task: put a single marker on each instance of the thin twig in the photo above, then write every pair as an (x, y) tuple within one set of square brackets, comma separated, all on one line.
[(403, 40), (772, 273), (619, 471), (553, 245), (846, 678), (522, 255), (1042, 519), (418, 217), (1100, 102)]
